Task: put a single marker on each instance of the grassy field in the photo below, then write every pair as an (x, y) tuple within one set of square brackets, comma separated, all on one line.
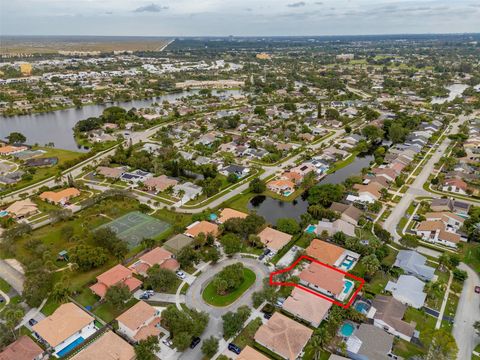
[(42, 173), (245, 338), (211, 297)]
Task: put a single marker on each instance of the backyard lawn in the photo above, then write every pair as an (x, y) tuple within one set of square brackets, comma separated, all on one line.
[(211, 296), (246, 335)]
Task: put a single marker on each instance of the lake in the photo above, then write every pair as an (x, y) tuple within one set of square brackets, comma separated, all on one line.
[(354, 168), (57, 126), (273, 209)]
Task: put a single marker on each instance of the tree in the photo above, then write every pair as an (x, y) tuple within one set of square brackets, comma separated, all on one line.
[(146, 349), (332, 114), (118, 295), (325, 194), (229, 279), (319, 110), (232, 178), (160, 279), (372, 133), (460, 275), (257, 186), (410, 241), (287, 225), (370, 263), (210, 346), (187, 256), (16, 138), (87, 257), (476, 326), (233, 321), (6, 336), (442, 346), (12, 314), (397, 133), (231, 244)]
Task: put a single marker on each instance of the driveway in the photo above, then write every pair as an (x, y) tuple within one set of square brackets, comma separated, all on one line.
[(467, 313), (160, 297), (194, 298), (12, 276)]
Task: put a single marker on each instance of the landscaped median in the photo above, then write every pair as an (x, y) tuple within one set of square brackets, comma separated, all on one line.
[(228, 285)]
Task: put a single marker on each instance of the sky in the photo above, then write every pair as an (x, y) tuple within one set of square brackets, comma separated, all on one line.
[(237, 17)]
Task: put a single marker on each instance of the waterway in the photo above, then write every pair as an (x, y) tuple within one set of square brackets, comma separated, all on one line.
[(273, 209), (57, 126)]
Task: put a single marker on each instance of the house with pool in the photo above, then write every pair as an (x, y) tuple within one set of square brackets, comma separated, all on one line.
[(64, 330), (326, 281), (332, 254)]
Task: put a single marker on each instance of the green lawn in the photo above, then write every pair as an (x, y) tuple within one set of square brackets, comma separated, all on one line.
[(211, 297), (245, 338), (50, 306), (471, 255), (4, 286)]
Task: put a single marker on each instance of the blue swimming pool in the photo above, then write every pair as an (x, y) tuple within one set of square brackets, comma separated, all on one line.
[(311, 229), (287, 193), (70, 347), (347, 286), (347, 329), (213, 217), (361, 307), (347, 264), (3, 213)]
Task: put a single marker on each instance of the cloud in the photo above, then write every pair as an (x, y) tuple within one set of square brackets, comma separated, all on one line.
[(318, 2), (150, 8), (297, 4)]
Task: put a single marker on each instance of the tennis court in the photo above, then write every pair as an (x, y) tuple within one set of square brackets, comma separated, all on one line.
[(136, 226)]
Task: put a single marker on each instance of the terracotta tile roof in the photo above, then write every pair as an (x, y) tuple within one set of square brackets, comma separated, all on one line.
[(274, 239), (283, 336), (249, 353), (117, 274), (9, 149), (449, 236), (59, 196), (323, 277), (156, 256), (292, 176), (430, 226), (457, 183), (22, 349), (22, 207), (160, 183), (324, 251), (109, 346), (202, 227), (63, 323), (372, 188), (138, 316), (281, 184), (227, 214), (385, 171), (306, 306)]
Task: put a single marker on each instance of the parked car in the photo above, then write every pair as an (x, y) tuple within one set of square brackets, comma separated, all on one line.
[(167, 342), (195, 342), (477, 289), (280, 302), (234, 348), (261, 257), (267, 315), (181, 275), (32, 322)]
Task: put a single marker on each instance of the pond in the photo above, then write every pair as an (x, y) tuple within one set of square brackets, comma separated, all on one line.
[(57, 126), (273, 209), (354, 168)]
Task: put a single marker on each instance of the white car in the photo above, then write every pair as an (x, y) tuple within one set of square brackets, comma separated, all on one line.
[(167, 342), (181, 275)]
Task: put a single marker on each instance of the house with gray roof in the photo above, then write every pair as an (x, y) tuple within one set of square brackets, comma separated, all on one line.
[(408, 290), (388, 315), (412, 263), (369, 342)]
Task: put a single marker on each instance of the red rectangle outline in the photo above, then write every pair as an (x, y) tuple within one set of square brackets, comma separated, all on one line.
[(305, 257)]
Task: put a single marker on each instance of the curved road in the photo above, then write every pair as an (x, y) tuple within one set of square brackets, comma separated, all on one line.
[(194, 298), (468, 311)]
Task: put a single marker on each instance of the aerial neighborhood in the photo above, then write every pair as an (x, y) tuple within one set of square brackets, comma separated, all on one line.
[(243, 199)]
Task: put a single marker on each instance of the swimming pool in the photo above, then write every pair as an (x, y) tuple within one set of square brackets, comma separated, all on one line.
[(287, 193), (70, 347), (347, 264), (347, 329), (3, 213), (347, 286), (213, 217), (311, 229), (362, 307)]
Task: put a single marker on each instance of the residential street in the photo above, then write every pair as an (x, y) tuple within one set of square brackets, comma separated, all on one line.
[(12, 276), (468, 311), (194, 298)]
